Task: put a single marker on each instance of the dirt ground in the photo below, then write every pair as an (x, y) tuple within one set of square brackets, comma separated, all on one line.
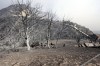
[(70, 55)]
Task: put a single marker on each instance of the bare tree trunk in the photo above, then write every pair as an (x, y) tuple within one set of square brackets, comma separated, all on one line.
[(56, 41), (27, 40), (49, 43), (48, 40), (58, 37)]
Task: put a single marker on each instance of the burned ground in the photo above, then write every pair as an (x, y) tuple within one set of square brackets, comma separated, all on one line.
[(70, 55)]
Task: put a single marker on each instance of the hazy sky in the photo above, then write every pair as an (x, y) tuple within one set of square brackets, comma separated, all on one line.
[(83, 12)]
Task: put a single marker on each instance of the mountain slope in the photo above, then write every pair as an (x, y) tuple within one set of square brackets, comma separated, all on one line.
[(11, 29)]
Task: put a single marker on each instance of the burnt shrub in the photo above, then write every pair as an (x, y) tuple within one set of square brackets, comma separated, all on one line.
[(35, 44)]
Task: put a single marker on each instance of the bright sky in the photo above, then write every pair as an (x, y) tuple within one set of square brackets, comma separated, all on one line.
[(83, 12)]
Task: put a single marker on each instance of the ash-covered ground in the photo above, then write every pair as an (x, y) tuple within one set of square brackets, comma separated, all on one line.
[(70, 55)]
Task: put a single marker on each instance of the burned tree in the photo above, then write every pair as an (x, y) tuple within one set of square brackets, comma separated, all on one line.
[(60, 30), (93, 38), (26, 14), (49, 19)]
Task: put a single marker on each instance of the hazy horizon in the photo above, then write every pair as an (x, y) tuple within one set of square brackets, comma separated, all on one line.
[(83, 12)]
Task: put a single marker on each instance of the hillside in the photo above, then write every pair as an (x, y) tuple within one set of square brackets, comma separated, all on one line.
[(11, 28)]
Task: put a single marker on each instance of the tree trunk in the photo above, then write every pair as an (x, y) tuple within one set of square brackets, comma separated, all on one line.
[(48, 39), (27, 41), (56, 41), (48, 42)]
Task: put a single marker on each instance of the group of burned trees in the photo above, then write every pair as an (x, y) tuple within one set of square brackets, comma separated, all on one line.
[(26, 14)]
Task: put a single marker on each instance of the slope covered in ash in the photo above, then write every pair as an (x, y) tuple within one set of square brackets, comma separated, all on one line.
[(11, 28)]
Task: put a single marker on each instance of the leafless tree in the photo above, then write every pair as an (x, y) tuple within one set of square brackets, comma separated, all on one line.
[(50, 18), (60, 30), (26, 14)]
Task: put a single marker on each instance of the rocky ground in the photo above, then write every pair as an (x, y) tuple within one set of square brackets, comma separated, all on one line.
[(70, 55)]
